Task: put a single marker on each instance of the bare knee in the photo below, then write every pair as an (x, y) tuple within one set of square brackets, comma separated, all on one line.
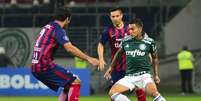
[(77, 81), (112, 91), (152, 90)]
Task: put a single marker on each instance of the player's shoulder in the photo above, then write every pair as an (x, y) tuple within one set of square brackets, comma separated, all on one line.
[(148, 40), (126, 23), (106, 29)]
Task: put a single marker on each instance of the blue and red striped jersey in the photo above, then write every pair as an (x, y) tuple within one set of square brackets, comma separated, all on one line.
[(115, 36), (47, 42)]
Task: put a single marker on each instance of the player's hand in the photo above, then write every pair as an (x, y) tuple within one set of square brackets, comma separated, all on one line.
[(101, 65), (156, 79), (107, 74), (93, 61)]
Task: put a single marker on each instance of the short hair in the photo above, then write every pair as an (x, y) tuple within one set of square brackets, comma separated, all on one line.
[(116, 9), (62, 13), (185, 47), (137, 21)]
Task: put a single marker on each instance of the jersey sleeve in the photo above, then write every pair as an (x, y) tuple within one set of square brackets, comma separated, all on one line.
[(153, 48), (104, 36), (62, 37)]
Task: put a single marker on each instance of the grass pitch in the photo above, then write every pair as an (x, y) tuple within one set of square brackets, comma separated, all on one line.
[(99, 98)]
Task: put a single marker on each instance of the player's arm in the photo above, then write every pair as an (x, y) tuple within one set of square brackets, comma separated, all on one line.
[(155, 63), (117, 56), (63, 39), (100, 49), (77, 52)]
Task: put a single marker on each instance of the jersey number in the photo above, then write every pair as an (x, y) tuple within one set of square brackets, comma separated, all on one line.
[(35, 57), (42, 32)]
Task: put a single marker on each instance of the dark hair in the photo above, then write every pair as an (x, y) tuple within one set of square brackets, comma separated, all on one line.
[(137, 21), (185, 47), (116, 9), (62, 13)]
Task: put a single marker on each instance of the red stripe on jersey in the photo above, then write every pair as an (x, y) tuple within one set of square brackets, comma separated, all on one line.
[(123, 55), (48, 53), (44, 48), (44, 41), (118, 65)]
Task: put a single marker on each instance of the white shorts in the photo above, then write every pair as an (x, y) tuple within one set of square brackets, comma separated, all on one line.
[(133, 82)]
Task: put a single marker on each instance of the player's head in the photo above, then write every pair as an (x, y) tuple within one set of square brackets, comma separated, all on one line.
[(116, 15), (135, 27), (63, 14), (185, 47)]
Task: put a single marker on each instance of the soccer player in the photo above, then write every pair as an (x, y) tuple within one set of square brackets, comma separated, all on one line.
[(137, 49), (44, 69), (114, 34)]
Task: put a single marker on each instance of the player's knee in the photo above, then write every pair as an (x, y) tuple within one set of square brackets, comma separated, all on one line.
[(111, 92), (154, 94), (77, 81)]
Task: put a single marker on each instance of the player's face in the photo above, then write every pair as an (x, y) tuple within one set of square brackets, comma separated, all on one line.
[(134, 30), (116, 17), (67, 21)]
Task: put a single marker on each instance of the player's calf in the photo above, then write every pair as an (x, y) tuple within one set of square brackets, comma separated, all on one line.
[(74, 91), (140, 94), (63, 96)]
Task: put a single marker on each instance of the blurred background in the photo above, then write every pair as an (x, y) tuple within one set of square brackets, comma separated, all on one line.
[(172, 23)]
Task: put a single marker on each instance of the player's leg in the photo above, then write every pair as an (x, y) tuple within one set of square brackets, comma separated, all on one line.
[(115, 93), (145, 81), (189, 81), (63, 95), (115, 76), (140, 93), (152, 90), (71, 92), (74, 91), (183, 81), (61, 77), (119, 87)]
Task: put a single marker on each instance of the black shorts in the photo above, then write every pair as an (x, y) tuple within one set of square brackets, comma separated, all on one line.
[(55, 77)]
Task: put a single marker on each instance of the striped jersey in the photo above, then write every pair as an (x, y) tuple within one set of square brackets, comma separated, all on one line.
[(47, 42), (115, 36)]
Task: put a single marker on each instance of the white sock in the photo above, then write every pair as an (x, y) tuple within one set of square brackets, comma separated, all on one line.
[(119, 97), (159, 98)]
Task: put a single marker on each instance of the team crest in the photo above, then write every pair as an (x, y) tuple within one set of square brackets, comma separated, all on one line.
[(142, 46)]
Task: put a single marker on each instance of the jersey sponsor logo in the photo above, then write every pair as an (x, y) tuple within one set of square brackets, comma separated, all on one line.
[(136, 52), (142, 46), (117, 43)]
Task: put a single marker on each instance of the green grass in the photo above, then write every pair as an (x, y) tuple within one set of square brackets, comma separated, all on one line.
[(99, 98)]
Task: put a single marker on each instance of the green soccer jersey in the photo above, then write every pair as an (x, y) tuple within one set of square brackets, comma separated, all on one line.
[(137, 53)]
